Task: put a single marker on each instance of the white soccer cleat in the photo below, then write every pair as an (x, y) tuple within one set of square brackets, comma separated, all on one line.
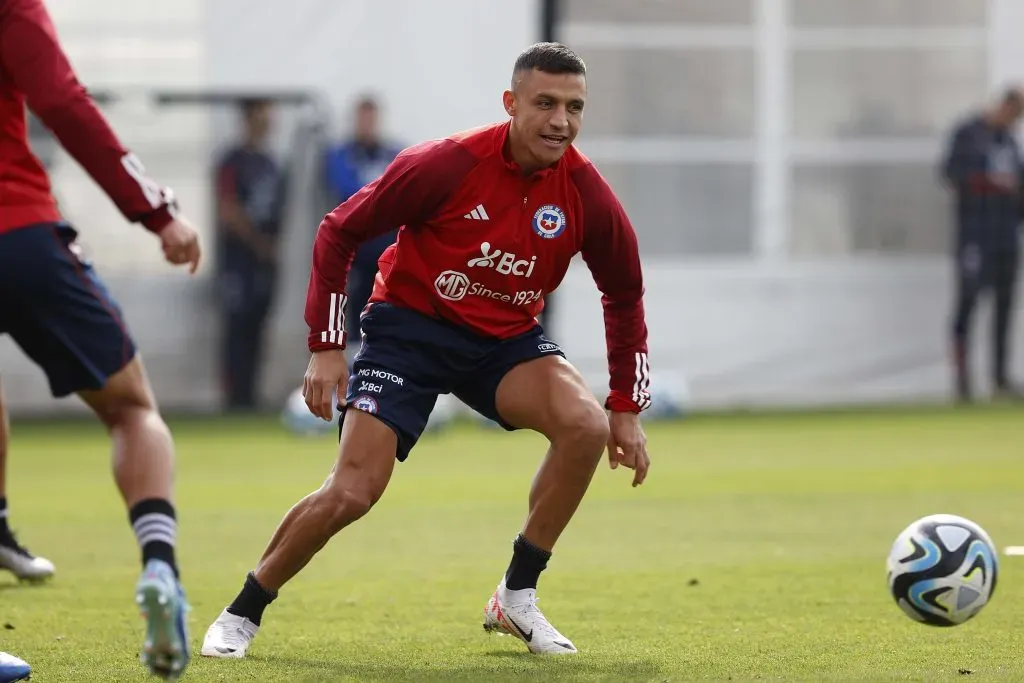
[(23, 564), (515, 613), (229, 637)]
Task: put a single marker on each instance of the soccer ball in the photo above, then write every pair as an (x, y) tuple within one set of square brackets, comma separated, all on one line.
[(942, 570)]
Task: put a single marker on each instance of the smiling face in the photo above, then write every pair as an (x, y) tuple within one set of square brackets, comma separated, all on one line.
[(547, 111), (549, 88)]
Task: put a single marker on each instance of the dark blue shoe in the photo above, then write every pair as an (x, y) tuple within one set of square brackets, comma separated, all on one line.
[(13, 669), (162, 603)]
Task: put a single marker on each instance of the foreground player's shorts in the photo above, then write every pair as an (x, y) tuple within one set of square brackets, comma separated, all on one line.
[(407, 359), (58, 311)]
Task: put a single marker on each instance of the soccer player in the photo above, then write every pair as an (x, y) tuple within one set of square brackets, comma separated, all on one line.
[(983, 167), (59, 312), (491, 219), (14, 557)]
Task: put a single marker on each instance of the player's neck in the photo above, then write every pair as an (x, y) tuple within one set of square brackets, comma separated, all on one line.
[(520, 154)]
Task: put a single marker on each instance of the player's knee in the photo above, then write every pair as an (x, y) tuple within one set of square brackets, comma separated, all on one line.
[(346, 504), (585, 426), (125, 400), (127, 411)]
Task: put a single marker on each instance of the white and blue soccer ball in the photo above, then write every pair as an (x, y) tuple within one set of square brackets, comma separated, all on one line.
[(446, 411), (295, 416), (942, 570)]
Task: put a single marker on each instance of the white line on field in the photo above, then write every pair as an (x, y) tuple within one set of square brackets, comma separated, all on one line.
[(1014, 550)]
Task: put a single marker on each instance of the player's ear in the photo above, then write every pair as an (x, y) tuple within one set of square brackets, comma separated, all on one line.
[(509, 100)]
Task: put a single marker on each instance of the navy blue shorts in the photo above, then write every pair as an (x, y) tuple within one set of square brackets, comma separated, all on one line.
[(407, 359), (58, 311)]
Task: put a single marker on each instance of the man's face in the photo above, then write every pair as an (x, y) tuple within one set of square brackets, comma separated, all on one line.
[(366, 123), (260, 120), (546, 111), (1014, 110)]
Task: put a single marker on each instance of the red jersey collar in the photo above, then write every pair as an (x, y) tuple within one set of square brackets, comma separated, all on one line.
[(506, 156)]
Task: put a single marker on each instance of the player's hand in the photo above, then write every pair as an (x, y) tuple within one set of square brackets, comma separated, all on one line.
[(627, 445), (180, 243), (326, 376), (1008, 182)]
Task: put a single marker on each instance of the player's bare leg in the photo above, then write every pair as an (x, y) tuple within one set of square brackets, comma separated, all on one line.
[(14, 557), (549, 396), (365, 463), (143, 464)]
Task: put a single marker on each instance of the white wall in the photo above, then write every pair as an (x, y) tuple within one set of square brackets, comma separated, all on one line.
[(728, 333), (439, 65)]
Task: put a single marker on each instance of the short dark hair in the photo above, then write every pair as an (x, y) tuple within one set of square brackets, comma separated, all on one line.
[(1014, 97), (367, 101), (250, 105), (551, 58)]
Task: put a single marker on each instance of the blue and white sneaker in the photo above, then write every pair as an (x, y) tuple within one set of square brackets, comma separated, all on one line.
[(162, 602), (13, 669)]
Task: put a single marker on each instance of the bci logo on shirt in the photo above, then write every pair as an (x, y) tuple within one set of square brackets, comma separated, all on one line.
[(505, 262)]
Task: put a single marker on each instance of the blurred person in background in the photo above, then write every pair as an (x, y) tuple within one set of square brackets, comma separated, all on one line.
[(348, 166), (250, 205), (983, 168)]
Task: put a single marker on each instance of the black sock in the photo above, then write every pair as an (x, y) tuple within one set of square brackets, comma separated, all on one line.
[(156, 529), (4, 529), (251, 600), (528, 561)]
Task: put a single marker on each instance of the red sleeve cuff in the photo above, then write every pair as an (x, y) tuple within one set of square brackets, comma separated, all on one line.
[(318, 341), (619, 402), (158, 220)]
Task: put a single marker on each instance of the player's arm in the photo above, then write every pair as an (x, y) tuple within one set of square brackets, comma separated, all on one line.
[(611, 252), (411, 189), (408, 193), (32, 58)]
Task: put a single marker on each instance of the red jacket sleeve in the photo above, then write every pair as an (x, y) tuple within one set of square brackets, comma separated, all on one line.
[(611, 252), (32, 58), (411, 190)]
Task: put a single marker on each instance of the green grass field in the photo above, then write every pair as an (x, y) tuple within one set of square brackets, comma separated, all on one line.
[(756, 550)]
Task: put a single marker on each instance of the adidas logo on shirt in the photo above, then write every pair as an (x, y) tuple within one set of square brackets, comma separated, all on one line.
[(478, 214)]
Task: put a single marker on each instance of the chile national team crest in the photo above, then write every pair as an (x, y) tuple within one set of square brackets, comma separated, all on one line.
[(549, 221)]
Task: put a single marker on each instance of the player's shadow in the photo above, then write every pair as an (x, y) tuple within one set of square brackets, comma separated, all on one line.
[(14, 585), (504, 666)]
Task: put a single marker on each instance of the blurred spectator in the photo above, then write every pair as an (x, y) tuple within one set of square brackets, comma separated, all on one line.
[(349, 166), (250, 202), (983, 167)]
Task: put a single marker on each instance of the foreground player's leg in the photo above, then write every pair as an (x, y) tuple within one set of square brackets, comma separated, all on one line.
[(365, 463), (143, 463), (549, 396), (14, 557)]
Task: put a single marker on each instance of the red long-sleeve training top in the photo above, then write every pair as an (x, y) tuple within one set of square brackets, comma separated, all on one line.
[(35, 71), (481, 244)]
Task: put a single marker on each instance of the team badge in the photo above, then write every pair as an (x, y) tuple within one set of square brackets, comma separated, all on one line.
[(367, 404), (549, 221)]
